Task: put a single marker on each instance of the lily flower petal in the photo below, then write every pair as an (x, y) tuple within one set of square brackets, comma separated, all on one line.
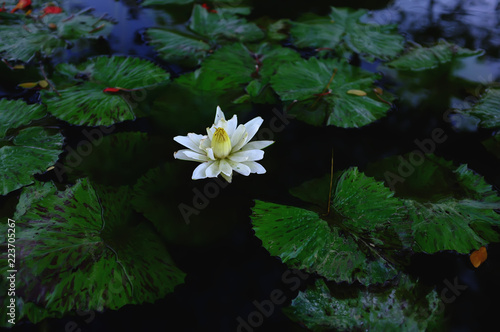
[(256, 145), (225, 148), (200, 171), (188, 143), (214, 169), (252, 127), (190, 155), (255, 167), (240, 167), (248, 155)]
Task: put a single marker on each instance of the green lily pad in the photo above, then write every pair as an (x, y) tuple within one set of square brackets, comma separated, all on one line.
[(327, 101), (487, 109), (83, 99), (407, 306), (21, 41), (343, 24), (423, 58), (236, 66), (206, 31), (83, 249), (459, 215), (347, 244), (16, 113), (28, 151)]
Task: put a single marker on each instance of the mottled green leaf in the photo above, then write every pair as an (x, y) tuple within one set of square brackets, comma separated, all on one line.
[(82, 99), (408, 306), (206, 31), (24, 152), (236, 65), (326, 101), (422, 58), (22, 41), (451, 208), (346, 244), (221, 25), (178, 47), (82, 249), (304, 241), (487, 109), (343, 24), (16, 113)]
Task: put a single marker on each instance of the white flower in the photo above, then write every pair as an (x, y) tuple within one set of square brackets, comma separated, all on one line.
[(224, 149)]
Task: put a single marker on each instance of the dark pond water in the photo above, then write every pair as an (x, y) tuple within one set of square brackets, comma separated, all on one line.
[(227, 269)]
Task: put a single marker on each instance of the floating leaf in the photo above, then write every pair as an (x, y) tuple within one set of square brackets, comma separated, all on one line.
[(487, 109), (235, 65), (21, 41), (422, 58), (407, 306), (451, 208), (345, 245), (82, 99), (82, 249), (178, 47), (206, 31), (16, 113), (478, 257), (326, 100), (28, 151), (343, 24)]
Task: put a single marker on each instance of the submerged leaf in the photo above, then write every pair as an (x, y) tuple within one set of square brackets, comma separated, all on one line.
[(407, 306)]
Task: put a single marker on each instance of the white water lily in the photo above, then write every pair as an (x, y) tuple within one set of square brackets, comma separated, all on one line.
[(225, 148)]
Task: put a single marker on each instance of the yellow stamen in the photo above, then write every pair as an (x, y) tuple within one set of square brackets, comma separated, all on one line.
[(221, 144)]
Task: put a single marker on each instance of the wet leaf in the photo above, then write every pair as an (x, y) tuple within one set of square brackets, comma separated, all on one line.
[(325, 101), (344, 25), (82, 99), (406, 306), (345, 245), (418, 57), (22, 41), (207, 30), (27, 151), (487, 109), (83, 249)]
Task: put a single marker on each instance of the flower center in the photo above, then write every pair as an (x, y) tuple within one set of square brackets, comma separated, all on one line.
[(221, 144)]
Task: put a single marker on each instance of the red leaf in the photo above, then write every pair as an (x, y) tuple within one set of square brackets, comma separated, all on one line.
[(22, 4), (52, 10), (204, 5), (111, 90), (3, 9)]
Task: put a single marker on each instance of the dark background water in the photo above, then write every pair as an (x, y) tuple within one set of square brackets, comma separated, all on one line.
[(227, 273)]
